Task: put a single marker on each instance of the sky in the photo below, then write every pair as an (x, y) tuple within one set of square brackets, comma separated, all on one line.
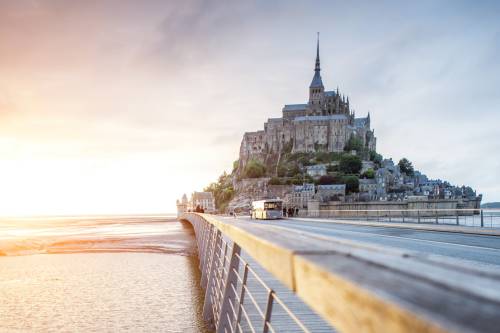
[(121, 106)]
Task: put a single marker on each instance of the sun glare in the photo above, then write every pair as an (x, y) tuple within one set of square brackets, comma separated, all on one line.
[(55, 187)]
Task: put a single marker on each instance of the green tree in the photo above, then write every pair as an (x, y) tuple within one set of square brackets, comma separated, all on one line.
[(293, 169), (332, 168), (304, 160), (370, 173), (351, 184), (282, 170), (308, 179), (326, 180), (222, 190), (298, 179), (375, 157), (354, 143), (275, 181), (406, 167), (323, 157), (254, 169), (350, 164), (235, 165)]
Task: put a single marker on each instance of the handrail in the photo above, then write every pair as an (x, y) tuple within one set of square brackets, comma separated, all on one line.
[(476, 217), (354, 289)]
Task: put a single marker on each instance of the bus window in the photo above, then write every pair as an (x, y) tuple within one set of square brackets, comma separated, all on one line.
[(272, 205)]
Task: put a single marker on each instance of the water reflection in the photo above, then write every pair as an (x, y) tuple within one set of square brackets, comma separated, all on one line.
[(145, 277)]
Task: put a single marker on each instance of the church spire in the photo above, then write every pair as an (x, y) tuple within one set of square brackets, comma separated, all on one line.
[(317, 67), (316, 81)]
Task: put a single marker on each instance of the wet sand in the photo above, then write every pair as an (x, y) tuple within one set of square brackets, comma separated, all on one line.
[(104, 276)]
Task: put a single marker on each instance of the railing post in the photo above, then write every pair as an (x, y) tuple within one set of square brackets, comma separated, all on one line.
[(229, 294), (437, 217), (242, 298), (205, 228), (269, 311), (482, 219), (208, 314), (418, 216), (207, 252), (458, 220)]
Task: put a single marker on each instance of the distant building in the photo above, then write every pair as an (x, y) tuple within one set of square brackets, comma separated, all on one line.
[(333, 192), (302, 194), (182, 205), (325, 122), (203, 199), (316, 171), (369, 186)]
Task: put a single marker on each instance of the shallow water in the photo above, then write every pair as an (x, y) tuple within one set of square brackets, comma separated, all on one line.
[(135, 274)]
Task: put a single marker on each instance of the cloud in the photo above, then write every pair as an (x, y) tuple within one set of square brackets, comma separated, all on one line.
[(176, 80)]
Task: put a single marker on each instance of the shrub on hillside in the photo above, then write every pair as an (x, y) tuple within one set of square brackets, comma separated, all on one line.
[(254, 169), (354, 143), (235, 165), (222, 190), (370, 174), (351, 184), (350, 164), (332, 168), (275, 181), (375, 157), (326, 180)]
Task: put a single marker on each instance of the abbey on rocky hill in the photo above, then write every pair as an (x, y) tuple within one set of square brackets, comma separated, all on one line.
[(325, 123)]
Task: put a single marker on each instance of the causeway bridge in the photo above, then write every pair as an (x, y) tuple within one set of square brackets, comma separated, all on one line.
[(323, 275)]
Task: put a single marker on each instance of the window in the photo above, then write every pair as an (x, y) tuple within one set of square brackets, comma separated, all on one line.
[(272, 205)]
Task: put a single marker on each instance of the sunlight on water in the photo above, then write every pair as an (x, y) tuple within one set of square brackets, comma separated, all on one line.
[(99, 274), (91, 234)]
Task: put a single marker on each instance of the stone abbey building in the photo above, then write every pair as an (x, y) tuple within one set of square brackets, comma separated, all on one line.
[(324, 123)]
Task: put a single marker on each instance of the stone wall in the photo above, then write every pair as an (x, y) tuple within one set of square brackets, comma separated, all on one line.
[(279, 191), (251, 189), (424, 208), (246, 191)]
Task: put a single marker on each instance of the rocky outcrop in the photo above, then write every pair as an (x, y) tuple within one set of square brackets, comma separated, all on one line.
[(251, 189)]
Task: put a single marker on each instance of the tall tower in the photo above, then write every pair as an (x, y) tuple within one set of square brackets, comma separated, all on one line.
[(316, 89)]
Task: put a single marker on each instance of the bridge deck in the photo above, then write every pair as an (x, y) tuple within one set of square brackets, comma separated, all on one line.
[(479, 250), (373, 280), (281, 322)]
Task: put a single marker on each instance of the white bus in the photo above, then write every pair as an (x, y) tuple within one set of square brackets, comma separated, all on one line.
[(267, 209)]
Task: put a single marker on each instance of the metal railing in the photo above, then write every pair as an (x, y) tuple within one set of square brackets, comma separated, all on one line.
[(355, 287), (463, 217), (237, 299)]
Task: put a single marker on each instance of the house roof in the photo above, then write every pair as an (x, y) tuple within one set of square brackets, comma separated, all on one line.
[(316, 81), (322, 118), (275, 120), (332, 187), (294, 107), (360, 122), (316, 167), (305, 187)]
